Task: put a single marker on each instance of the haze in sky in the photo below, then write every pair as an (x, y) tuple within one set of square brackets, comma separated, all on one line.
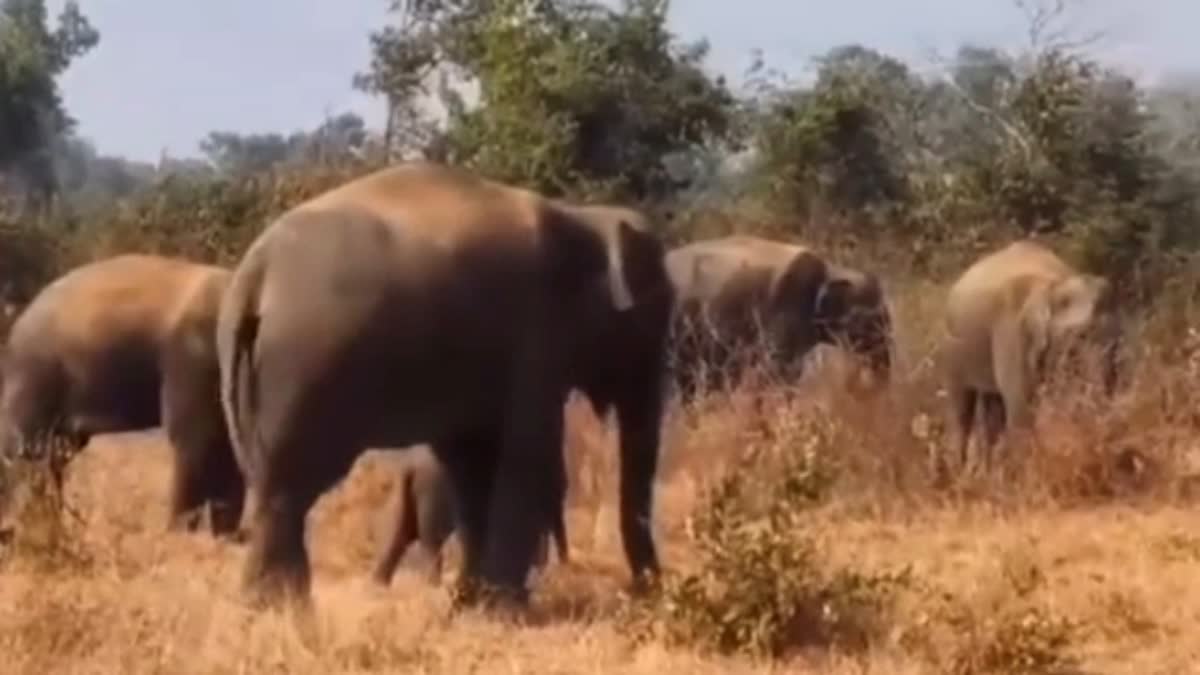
[(166, 72)]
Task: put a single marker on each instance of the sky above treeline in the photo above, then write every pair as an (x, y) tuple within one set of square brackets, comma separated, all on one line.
[(167, 72)]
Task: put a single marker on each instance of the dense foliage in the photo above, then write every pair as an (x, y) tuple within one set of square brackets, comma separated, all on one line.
[(575, 98)]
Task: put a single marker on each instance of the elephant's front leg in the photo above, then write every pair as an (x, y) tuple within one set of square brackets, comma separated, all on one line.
[(525, 470), (1017, 378), (994, 421), (962, 400), (639, 414), (469, 461), (205, 471)]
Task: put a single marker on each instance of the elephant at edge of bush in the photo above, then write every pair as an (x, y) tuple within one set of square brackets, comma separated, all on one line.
[(423, 303), (1008, 316), (733, 290), (122, 344), (422, 511)]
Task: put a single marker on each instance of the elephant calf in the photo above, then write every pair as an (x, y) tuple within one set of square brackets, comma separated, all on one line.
[(123, 344), (728, 289), (422, 510), (1004, 316)]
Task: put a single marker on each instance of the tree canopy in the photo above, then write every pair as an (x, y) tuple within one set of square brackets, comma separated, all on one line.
[(574, 97)]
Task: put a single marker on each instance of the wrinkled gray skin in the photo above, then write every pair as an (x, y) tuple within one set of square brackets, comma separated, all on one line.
[(732, 291), (123, 344), (422, 511), (1009, 315), (424, 304)]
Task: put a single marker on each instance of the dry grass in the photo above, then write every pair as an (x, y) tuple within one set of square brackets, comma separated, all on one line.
[(1075, 559)]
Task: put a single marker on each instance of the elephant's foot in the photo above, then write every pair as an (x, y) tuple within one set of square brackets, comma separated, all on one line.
[(184, 519), (277, 571), (381, 574), (225, 522), (238, 537), (473, 593), (277, 589), (645, 584)]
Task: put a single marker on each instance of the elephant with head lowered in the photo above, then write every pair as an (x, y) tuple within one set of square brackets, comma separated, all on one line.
[(422, 512), (740, 291), (122, 344), (1008, 316), (425, 304)]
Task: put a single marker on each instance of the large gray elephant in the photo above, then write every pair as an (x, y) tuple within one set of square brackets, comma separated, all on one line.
[(733, 291), (1007, 316), (425, 304), (123, 344), (422, 512)]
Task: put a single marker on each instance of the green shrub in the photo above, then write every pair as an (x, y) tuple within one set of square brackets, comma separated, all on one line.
[(761, 586)]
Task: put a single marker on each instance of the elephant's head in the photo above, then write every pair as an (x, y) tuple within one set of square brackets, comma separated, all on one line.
[(1063, 316), (847, 309), (610, 245), (621, 327)]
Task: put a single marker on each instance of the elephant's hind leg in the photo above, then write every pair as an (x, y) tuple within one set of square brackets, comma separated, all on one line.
[(962, 407), (402, 530), (436, 517), (994, 421), (226, 492), (469, 461), (277, 564), (205, 470)]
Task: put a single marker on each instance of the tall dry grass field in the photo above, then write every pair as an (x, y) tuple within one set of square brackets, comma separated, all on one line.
[(1079, 555)]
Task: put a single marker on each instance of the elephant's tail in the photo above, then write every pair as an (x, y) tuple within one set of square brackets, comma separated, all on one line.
[(237, 331), (559, 533)]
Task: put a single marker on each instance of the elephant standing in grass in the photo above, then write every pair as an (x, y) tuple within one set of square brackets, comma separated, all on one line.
[(731, 291), (1006, 316), (123, 344), (422, 511), (423, 303)]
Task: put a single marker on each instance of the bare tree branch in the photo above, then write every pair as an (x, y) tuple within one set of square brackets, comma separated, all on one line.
[(1041, 15), (1003, 124)]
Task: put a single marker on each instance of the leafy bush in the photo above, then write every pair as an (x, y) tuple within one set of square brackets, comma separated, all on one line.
[(761, 586)]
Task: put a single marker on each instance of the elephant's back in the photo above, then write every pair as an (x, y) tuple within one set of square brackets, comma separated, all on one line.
[(126, 297), (998, 283), (432, 202), (1020, 259), (704, 268)]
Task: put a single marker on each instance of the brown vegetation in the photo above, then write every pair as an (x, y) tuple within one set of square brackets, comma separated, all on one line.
[(826, 547)]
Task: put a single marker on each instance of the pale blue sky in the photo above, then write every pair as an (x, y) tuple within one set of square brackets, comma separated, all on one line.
[(168, 71)]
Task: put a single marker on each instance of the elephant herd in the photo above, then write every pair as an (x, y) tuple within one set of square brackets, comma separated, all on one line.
[(431, 311)]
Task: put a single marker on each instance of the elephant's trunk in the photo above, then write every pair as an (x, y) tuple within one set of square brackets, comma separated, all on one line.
[(639, 419), (870, 337), (1112, 343)]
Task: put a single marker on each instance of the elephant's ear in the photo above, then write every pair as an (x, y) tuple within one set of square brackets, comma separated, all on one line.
[(620, 246), (834, 297), (1075, 300), (1058, 308), (637, 265), (579, 254), (1035, 327), (801, 286)]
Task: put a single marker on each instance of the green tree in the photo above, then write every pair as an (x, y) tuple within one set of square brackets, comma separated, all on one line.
[(237, 154), (572, 96), (836, 146), (32, 115)]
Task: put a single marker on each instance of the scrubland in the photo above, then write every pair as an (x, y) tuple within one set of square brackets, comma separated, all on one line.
[(800, 527)]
